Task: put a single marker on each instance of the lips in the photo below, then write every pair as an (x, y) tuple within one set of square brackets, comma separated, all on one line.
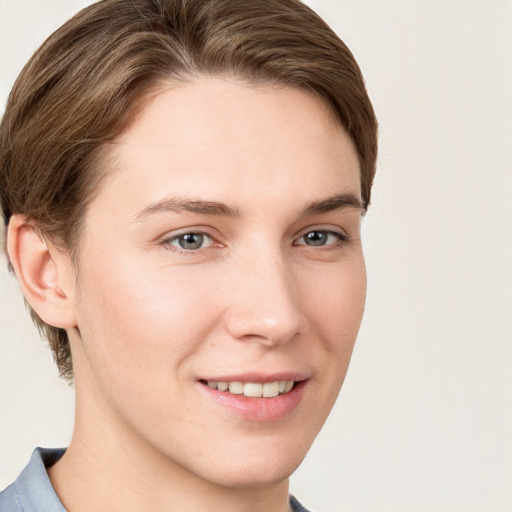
[(257, 398)]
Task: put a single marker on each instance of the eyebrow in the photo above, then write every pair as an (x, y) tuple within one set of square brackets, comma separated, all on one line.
[(217, 209), (176, 205), (333, 203)]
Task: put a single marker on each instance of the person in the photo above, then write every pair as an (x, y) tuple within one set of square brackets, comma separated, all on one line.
[(182, 184)]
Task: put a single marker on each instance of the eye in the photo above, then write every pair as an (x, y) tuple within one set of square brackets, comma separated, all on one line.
[(190, 241), (319, 238)]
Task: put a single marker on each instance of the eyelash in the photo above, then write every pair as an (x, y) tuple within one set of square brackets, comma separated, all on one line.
[(170, 243)]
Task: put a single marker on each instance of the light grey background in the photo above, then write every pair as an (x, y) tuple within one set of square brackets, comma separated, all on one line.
[(424, 422)]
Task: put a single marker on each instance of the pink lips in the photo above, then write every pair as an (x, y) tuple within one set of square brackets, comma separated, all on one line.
[(259, 409)]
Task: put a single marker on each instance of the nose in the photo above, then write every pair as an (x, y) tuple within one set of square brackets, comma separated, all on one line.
[(264, 302)]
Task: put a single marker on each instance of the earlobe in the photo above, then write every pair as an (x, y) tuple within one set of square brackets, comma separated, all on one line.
[(44, 274)]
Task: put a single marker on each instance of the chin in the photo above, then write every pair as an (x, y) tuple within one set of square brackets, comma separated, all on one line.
[(248, 474), (257, 465)]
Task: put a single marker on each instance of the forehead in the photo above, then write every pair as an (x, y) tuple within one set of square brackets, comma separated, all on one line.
[(228, 140)]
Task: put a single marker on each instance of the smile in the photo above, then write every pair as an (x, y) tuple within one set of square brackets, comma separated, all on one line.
[(263, 401), (253, 389)]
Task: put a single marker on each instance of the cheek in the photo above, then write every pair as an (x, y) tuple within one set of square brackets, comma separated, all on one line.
[(336, 306), (336, 303), (141, 322)]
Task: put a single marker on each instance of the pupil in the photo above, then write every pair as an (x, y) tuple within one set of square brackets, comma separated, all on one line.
[(191, 241), (316, 238)]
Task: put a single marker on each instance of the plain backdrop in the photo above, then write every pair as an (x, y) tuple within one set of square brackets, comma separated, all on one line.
[(424, 421)]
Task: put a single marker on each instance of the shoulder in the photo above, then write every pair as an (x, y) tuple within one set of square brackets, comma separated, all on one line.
[(32, 490), (9, 501)]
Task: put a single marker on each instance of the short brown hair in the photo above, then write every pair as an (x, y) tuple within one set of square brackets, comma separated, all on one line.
[(86, 82)]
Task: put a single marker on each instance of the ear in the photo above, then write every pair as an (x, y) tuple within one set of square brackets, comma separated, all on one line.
[(45, 274)]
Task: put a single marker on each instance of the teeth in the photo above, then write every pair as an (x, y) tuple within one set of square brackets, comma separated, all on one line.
[(254, 389), (222, 386), (271, 389), (237, 388)]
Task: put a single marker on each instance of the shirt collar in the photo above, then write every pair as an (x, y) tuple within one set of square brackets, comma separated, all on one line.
[(33, 487)]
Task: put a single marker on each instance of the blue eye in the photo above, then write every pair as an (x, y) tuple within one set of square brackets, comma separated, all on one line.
[(318, 238), (191, 241)]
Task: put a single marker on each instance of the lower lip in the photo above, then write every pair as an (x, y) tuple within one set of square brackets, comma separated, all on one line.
[(259, 409)]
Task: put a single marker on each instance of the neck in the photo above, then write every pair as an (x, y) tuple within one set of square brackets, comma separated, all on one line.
[(87, 480)]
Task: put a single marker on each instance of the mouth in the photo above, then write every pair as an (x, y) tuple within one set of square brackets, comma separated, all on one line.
[(265, 401), (252, 389)]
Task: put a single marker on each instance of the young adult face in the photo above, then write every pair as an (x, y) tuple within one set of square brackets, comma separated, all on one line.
[(223, 247)]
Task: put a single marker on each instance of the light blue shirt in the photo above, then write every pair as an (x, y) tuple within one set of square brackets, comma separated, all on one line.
[(33, 492)]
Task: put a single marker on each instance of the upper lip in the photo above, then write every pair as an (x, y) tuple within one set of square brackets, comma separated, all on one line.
[(259, 377)]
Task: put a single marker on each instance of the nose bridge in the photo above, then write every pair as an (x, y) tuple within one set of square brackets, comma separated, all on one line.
[(264, 304)]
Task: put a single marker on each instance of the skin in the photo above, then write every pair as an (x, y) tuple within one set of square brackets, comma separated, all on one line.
[(148, 319)]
